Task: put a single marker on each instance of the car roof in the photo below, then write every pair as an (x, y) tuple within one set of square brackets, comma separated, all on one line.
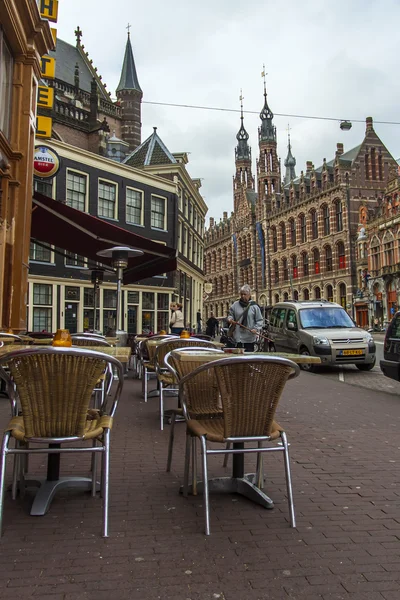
[(307, 304)]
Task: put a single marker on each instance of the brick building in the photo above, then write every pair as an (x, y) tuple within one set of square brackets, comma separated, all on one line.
[(296, 237)]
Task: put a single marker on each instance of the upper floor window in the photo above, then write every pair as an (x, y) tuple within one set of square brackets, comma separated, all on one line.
[(316, 261), (158, 212), (339, 216), (388, 248), (283, 235), (285, 269), (39, 253), (341, 255), (303, 228), (276, 272), (43, 187), (274, 239), (76, 191), (6, 77), (292, 225), (375, 254), (327, 221), (328, 258), (314, 224), (74, 260), (134, 204), (295, 271), (305, 264), (107, 203)]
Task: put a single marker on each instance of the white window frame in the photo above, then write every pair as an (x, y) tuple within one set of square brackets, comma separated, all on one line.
[(141, 223), (164, 199), (80, 174), (111, 183)]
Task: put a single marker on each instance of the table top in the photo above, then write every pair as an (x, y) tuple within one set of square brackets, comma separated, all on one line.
[(194, 356), (121, 353), (45, 341)]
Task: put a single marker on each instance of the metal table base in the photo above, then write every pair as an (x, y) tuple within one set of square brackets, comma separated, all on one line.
[(236, 485), (48, 489)]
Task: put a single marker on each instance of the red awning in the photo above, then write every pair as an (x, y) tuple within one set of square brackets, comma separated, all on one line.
[(55, 223)]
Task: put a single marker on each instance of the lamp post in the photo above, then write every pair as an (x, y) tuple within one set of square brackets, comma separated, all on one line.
[(119, 256), (96, 277)]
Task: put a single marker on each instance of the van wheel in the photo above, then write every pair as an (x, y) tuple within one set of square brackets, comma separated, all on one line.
[(306, 366), (366, 367)]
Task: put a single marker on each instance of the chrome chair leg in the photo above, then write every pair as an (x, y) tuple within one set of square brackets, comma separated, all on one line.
[(288, 479), (226, 457), (194, 466), (16, 469), (4, 447), (161, 397), (205, 484), (171, 442), (94, 469), (187, 463), (105, 479), (259, 482)]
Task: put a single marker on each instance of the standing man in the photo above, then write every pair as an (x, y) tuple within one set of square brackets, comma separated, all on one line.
[(198, 320), (212, 326), (245, 312)]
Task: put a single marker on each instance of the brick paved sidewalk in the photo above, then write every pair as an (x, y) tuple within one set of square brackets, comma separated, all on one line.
[(345, 459)]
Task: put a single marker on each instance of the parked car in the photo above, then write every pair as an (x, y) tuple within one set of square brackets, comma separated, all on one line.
[(320, 328), (390, 366)]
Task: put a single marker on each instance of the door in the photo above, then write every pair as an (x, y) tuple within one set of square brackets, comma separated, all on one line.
[(71, 316), (132, 319), (291, 335)]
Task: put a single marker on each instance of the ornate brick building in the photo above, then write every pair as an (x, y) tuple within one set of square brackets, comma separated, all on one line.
[(295, 238)]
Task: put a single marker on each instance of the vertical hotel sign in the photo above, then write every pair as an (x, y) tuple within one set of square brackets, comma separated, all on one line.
[(48, 10)]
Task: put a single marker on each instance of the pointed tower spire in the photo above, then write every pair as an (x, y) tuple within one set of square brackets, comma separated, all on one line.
[(130, 95), (290, 162), (267, 129), (242, 151), (243, 179)]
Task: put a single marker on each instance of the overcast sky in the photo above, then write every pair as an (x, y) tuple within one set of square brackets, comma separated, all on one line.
[(330, 59)]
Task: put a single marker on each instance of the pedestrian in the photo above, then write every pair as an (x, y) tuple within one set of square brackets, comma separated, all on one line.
[(177, 323), (198, 320), (211, 326), (246, 312)]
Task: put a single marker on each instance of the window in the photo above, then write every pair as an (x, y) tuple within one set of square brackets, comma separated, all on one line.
[(342, 294), (317, 293), (43, 187), (107, 200), (306, 294), (76, 190), (388, 249), (110, 298), (341, 255), (291, 317), (283, 235), (285, 269), (328, 258), (305, 265), (6, 77), (303, 228), (316, 261), (133, 297), (274, 240), (375, 254), (339, 216), (39, 253), (163, 315), (329, 293), (314, 224), (158, 212), (295, 271), (42, 307), (276, 272), (327, 222), (292, 232), (133, 206), (74, 260)]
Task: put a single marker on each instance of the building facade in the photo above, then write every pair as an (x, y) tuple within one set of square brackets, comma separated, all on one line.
[(24, 38), (296, 238)]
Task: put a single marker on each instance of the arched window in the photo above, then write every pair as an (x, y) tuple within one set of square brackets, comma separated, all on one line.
[(327, 220), (339, 216), (295, 295), (292, 225), (276, 271), (283, 235), (285, 269), (341, 255), (314, 224), (375, 254), (295, 270), (276, 298), (285, 297), (329, 293), (274, 239), (305, 264), (317, 293), (342, 294), (303, 228), (388, 248), (306, 294), (316, 261), (328, 258)]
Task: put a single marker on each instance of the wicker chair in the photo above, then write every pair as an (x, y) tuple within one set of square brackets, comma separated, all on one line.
[(202, 387), (250, 389), (53, 388), (165, 377), (104, 384), (147, 353), (11, 337)]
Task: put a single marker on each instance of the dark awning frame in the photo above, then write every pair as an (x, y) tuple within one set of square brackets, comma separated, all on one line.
[(80, 233)]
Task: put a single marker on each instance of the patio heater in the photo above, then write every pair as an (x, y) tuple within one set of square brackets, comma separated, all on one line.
[(119, 256), (96, 277)]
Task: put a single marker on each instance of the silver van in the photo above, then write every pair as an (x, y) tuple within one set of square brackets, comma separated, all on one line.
[(320, 328)]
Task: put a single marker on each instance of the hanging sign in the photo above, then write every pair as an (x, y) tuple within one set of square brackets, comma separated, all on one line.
[(48, 10), (46, 162)]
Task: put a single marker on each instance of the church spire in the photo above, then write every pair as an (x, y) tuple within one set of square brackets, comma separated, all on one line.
[(129, 79), (267, 131), (242, 151), (290, 163)]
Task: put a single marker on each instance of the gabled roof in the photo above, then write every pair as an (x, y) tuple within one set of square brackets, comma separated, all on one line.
[(67, 57), (129, 79), (152, 151)]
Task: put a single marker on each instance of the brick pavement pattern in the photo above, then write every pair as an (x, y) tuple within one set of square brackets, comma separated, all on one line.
[(345, 456)]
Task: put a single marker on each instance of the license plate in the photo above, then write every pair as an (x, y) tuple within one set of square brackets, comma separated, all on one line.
[(351, 352)]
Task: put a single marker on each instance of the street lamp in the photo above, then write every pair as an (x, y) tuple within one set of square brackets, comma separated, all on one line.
[(119, 257)]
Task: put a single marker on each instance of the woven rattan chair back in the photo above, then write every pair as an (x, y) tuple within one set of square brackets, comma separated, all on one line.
[(15, 339), (163, 349), (150, 349), (250, 389), (85, 340), (54, 389)]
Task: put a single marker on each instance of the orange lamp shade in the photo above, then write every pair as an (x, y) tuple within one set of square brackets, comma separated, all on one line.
[(62, 338), (163, 332), (185, 334)]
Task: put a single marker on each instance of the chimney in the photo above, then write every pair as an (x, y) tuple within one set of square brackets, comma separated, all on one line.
[(225, 215), (339, 149), (369, 124), (309, 166), (211, 221)]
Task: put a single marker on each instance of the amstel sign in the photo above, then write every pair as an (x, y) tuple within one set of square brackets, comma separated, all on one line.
[(46, 162)]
